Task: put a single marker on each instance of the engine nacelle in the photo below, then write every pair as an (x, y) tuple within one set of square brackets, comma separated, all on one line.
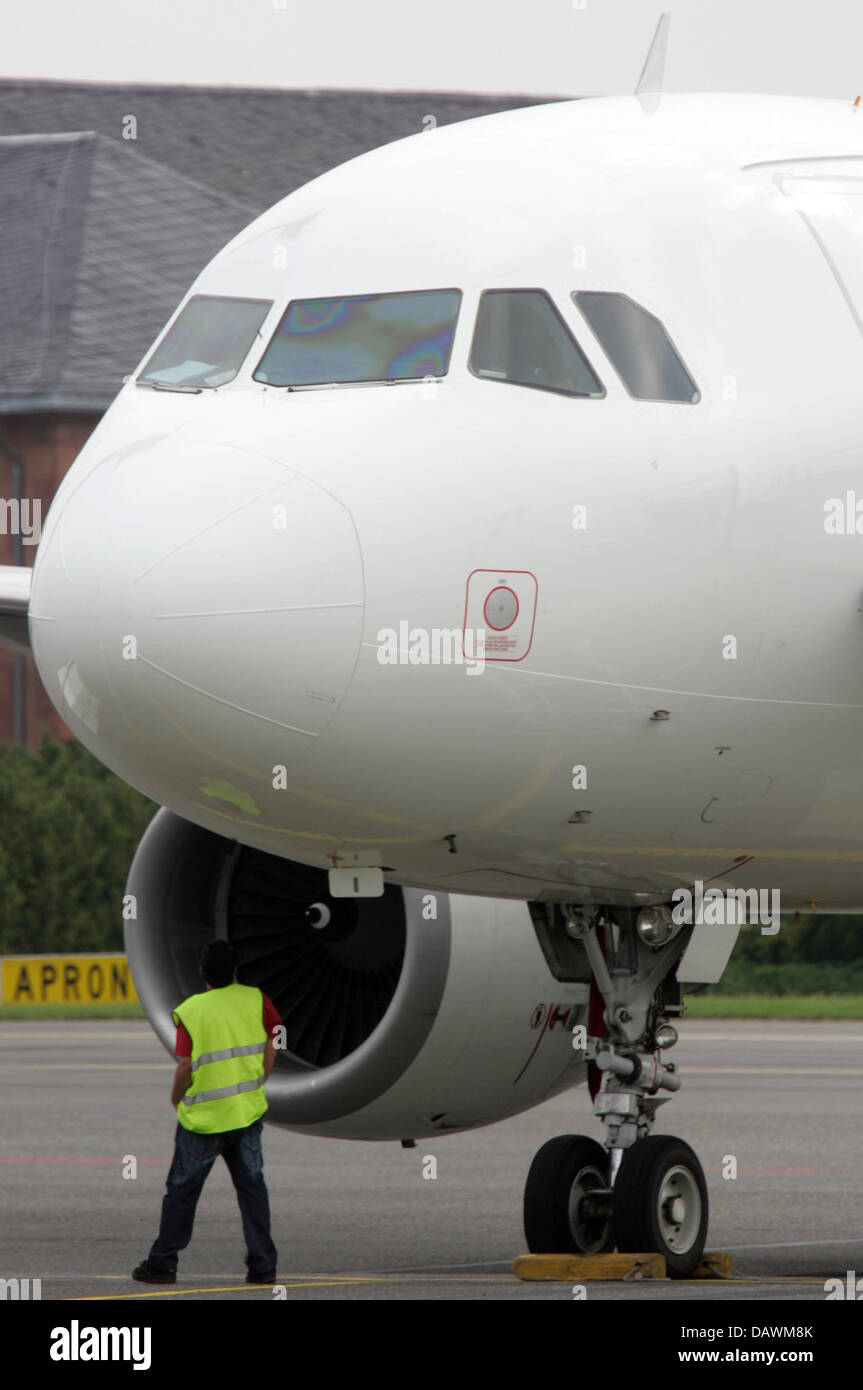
[(405, 1016)]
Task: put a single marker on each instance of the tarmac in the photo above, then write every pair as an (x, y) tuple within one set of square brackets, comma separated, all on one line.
[(779, 1103)]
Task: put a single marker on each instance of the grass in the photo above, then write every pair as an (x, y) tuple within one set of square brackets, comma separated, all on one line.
[(69, 1011), (815, 1006)]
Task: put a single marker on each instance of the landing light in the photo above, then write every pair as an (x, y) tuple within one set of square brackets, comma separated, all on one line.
[(655, 926), (576, 926)]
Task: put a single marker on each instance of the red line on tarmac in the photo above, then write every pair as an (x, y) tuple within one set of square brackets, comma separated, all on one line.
[(801, 1172)]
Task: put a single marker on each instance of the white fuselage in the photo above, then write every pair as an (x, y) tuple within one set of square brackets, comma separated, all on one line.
[(254, 542)]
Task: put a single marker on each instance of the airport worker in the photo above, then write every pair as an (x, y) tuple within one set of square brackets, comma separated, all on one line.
[(225, 1051)]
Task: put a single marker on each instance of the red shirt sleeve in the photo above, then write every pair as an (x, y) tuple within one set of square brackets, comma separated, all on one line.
[(183, 1045), (272, 1019)]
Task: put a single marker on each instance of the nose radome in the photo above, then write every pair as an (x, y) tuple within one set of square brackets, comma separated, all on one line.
[(199, 592)]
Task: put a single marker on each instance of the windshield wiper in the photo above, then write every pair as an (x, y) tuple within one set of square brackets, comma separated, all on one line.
[(171, 386)]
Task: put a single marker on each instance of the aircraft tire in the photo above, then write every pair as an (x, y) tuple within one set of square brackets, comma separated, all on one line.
[(660, 1202), (563, 1172)]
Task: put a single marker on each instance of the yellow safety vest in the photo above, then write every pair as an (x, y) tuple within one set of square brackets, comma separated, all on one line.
[(228, 1039)]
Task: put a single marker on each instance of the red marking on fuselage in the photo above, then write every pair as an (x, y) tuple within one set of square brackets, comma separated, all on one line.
[(535, 1046)]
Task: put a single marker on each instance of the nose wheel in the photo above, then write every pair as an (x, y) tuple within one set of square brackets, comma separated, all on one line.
[(660, 1202), (567, 1199)]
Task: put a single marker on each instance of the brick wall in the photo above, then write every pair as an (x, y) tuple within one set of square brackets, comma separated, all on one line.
[(47, 445)]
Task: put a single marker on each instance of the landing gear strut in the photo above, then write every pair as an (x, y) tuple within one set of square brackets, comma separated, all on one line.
[(641, 1192)]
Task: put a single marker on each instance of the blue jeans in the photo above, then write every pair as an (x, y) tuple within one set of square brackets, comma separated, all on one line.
[(194, 1156)]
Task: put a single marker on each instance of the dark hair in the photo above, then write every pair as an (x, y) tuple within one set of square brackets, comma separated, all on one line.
[(217, 963)]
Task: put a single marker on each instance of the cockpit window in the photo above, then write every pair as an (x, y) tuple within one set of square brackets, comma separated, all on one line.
[(207, 344), (521, 338), (364, 337), (638, 346)]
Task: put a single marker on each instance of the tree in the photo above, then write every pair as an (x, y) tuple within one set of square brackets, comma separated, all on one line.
[(68, 831)]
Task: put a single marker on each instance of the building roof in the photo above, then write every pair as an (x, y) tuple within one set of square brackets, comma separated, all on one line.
[(101, 235), (255, 145), (97, 247)]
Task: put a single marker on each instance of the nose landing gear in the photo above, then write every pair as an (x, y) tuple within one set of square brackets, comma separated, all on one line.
[(640, 1192)]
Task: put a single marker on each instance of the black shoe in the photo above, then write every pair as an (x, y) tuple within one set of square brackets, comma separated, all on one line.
[(146, 1274), (263, 1276)]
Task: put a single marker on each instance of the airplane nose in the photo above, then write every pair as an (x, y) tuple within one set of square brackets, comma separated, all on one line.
[(192, 597)]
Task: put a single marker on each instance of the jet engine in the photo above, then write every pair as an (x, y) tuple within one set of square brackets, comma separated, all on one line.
[(404, 1016)]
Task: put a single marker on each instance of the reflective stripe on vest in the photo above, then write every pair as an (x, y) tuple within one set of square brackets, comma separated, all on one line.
[(228, 1042), (227, 1052), (226, 1091)]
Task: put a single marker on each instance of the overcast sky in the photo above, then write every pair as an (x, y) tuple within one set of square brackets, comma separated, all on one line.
[(567, 47)]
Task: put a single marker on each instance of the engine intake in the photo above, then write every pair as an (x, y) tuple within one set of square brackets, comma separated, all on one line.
[(404, 1015)]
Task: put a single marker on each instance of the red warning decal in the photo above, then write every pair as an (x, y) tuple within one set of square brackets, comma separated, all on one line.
[(501, 604)]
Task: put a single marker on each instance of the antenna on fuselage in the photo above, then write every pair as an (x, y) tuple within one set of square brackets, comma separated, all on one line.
[(653, 72)]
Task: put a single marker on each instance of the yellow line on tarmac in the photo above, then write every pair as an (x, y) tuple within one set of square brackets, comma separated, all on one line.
[(771, 1071), (222, 1288), (762, 1281)]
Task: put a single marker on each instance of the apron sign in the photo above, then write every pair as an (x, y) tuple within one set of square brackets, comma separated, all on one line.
[(67, 980)]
